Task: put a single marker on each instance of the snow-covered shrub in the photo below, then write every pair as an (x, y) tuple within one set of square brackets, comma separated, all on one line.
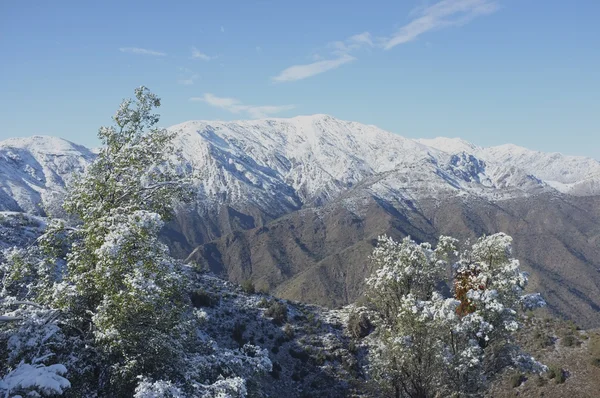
[(35, 380), (425, 342), (157, 389)]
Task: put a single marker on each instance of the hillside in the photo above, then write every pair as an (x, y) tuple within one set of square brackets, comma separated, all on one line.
[(295, 204)]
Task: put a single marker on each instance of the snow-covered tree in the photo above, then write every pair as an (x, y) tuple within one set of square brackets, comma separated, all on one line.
[(120, 287), (429, 345), (30, 336), (99, 307)]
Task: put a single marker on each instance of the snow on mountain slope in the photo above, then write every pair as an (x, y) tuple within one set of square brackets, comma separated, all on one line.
[(280, 165), (575, 175), (313, 159), (449, 145), (306, 159), (33, 170)]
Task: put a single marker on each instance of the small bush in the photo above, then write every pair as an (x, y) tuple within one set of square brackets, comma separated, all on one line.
[(594, 349), (276, 370), (238, 333), (288, 330), (517, 379), (262, 288), (201, 298), (248, 287), (278, 312), (569, 340), (542, 339), (359, 325), (557, 373), (264, 303), (352, 347), (299, 354), (540, 381), (572, 326), (320, 358), (594, 345)]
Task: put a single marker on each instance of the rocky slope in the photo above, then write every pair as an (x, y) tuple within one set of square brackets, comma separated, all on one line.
[(320, 255)]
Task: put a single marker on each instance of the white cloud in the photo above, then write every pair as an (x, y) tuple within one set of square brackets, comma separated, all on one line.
[(141, 51), (443, 14), (200, 55), (222, 29), (299, 72), (339, 49), (236, 106), (352, 43)]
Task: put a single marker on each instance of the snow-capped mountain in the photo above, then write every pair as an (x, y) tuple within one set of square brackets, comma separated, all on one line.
[(35, 170), (296, 203), (280, 165), (575, 175)]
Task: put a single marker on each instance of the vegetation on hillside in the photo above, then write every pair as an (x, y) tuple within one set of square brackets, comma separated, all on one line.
[(98, 307)]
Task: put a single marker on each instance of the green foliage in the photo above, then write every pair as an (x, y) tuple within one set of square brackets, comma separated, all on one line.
[(201, 298), (517, 379), (594, 348), (277, 311), (288, 330), (120, 286), (540, 381), (542, 339), (134, 169), (238, 333), (557, 373), (426, 342), (359, 325), (276, 370), (248, 287), (569, 340), (264, 303), (116, 317)]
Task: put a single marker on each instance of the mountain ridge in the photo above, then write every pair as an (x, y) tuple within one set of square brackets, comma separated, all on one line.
[(296, 203)]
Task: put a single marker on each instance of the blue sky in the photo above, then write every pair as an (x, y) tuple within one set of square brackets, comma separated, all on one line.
[(489, 71)]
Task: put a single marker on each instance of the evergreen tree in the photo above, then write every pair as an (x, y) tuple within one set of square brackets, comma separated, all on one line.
[(99, 300), (120, 286)]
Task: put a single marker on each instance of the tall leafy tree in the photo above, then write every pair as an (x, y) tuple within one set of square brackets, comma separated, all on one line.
[(120, 286), (99, 308)]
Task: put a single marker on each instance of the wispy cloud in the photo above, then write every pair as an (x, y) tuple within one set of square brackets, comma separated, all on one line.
[(299, 72), (141, 51), (353, 43), (222, 29), (236, 106), (440, 15), (197, 54), (445, 13), (339, 55)]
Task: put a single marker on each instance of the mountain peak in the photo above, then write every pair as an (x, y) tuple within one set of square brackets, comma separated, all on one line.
[(43, 144), (449, 145)]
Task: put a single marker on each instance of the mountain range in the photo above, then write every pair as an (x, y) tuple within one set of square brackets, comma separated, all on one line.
[(296, 204)]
